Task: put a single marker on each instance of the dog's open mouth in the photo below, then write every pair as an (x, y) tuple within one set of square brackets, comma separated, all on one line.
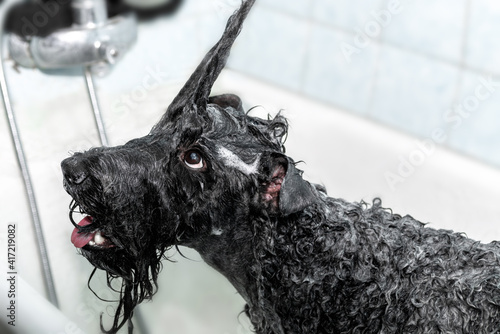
[(94, 239)]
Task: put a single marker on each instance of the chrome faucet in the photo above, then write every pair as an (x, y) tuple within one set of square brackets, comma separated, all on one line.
[(93, 41)]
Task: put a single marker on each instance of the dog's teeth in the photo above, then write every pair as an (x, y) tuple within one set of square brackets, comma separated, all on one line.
[(217, 231), (91, 243), (99, 239)]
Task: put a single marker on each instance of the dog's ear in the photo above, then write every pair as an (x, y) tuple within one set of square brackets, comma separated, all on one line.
[(194, 96), (227, 100), (285, 191)]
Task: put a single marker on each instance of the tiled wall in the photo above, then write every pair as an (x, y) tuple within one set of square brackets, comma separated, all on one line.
[(421, 66), (404, 63)]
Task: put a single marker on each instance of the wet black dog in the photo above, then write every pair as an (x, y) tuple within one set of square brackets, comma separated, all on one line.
[(210, 177)]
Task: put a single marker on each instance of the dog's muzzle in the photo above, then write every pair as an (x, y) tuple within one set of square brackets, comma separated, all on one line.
[(75, 180), (74, 172)]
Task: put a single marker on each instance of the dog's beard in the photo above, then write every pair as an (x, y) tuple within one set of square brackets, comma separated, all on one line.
[(132, 263), (137, 278)]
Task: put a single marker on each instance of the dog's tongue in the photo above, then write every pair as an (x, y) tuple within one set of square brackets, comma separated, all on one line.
[(82, 239)]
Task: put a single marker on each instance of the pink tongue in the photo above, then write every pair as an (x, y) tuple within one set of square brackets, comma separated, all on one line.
[(82, 239)]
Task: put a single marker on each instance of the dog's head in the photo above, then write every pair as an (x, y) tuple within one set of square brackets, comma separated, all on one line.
[(204, 166)]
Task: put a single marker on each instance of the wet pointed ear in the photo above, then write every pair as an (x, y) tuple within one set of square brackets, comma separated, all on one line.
[(193, 97), (227, 100), (285, 191)]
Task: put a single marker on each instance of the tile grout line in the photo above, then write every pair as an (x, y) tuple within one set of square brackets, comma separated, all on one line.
[(376, 71), (462, 66), (305, 61), (379, 40)]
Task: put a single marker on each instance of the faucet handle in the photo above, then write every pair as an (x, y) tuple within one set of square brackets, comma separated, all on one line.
[(98, 45)]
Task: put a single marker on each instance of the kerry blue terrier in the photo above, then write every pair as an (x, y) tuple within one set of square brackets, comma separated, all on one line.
[(210, 177)]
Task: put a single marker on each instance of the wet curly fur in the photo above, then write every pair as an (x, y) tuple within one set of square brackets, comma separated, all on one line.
[(339, 267), (211, 177)]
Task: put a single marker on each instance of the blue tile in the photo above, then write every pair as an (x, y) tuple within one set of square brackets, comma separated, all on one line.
[(34, 86), (483, 47), (433, 27), (210, 29), (272, 46), (347, 14), (202, 6), (333, 78), (296, 7), (222, 8), (475, 127), (413, 92), (172, 56)]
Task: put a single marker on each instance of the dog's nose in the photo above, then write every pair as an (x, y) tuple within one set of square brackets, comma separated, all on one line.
[(74, 171)]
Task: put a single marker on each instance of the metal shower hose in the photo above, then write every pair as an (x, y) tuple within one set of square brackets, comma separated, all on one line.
[(21, 159)]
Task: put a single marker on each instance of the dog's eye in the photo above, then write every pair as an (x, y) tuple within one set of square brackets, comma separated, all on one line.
[(193, 159)]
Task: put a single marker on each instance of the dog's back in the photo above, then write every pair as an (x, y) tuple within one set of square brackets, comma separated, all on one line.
[(340, 267)]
